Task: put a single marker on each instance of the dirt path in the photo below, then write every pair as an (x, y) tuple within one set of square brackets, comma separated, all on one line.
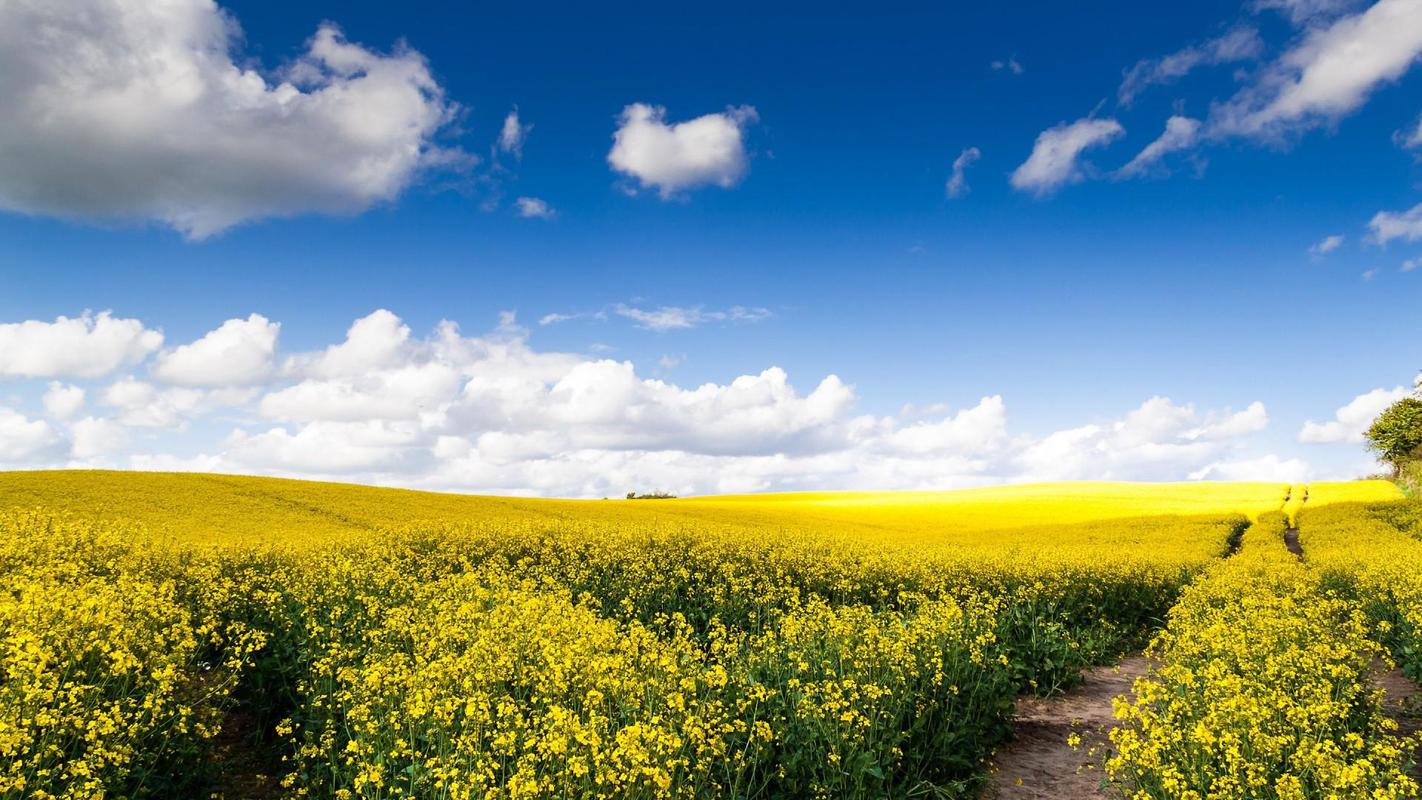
[(1291, 541), (1038, 764)]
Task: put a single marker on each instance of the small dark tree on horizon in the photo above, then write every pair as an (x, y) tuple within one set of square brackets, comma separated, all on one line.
[(1396, 434)]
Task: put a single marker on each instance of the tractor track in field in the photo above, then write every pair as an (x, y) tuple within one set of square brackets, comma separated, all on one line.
[(1038, 763)]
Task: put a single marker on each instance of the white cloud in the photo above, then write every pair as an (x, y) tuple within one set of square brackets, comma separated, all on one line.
[(1159, 440), (491, 413), (670, 318), (373, 342), (533, 208), (513, 134), (1268, 468), (1350, 421), (1237, 44), (1055, 156), (92, 437), (1411, 264), (63, 401), (88, 346), (1328, 74), (1327, 244), (1306, 11), (1410, 139), (238, 353), (142, 405), (22, 439), (1369, 274), (140, 111), (1180, 133), (674, 157), (958, 182), (1389, 225), (1010, 64)]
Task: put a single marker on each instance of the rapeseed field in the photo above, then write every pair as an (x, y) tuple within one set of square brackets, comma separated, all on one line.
[(366, 643)]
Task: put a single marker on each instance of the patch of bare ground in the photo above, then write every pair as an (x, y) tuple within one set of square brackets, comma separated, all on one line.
[(1039, 763), (245, 770), (1402, 702)]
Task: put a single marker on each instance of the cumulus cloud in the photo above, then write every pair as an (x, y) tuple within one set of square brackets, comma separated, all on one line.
[(62, 401), (146, 111), (707, 150), (1055, 157), (87, 346), (512, 134), (1265, 468), (1350, 421), (22, 439), (1237, 44), (491, 413), (1159, 440), (238, 353), (1181, 133), (533, 208), (958, 182), (1328, 74), (1404, 225), (93, 437), (1327, 244)]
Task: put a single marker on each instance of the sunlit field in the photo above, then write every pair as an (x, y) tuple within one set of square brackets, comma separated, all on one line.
[(169, 635)]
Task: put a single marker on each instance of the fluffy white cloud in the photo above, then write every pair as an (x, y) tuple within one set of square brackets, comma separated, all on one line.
[(373, 342), (1181, 133), (1327, 244), (92, 437), (673, 157), (512, 134), (958, 182), (63, 401), (88, 346), (1404, 225), (1159, 440), (1055, 156), (491, 413), (22, 439), (1350, 421), (1265, 468), (1237, 44), (1328, 74), (237, 353), (140, 404), (145, 111), (534, 208)]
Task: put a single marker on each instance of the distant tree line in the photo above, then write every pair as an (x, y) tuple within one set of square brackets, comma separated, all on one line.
[(655, 494)]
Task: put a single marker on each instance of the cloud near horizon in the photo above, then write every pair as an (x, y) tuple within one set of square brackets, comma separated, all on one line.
[(491, 413)]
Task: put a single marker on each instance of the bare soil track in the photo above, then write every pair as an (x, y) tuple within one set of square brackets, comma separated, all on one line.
[(1039, 764)]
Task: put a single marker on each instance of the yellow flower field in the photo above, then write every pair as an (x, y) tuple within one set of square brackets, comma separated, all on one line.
[(374, 643)]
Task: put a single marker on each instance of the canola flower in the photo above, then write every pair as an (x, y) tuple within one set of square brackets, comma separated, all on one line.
[(404, 644), (1263, 684)]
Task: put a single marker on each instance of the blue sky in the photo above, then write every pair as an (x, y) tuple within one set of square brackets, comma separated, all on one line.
[(804, 222)]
